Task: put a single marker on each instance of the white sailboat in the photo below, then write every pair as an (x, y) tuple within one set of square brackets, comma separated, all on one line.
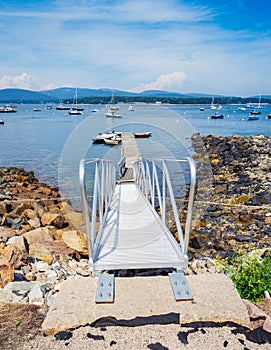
[(112, 111), (212, 106), (76, 110), (259, 103)]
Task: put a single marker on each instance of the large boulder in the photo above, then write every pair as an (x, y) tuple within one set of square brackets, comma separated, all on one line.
[(48, 251), (41, 234), (52, 219), (76, 240)]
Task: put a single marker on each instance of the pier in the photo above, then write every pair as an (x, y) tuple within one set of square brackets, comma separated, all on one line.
[(130, 153)]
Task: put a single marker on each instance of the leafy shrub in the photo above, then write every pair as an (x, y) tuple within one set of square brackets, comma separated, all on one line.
[(250, 274)]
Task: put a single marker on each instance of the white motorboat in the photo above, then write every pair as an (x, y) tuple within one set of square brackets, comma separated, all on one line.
[(75, 112), (112, 114), (131, 108)]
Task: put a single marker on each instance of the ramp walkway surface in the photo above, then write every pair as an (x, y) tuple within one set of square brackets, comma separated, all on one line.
[(134, 235)]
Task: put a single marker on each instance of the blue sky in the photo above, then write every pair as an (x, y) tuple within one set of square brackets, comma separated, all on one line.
[(213, 46)]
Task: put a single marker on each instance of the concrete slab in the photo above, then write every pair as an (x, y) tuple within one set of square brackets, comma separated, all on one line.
[(214, 299)]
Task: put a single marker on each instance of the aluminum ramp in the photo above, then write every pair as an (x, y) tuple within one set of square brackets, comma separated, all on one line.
[(134, 236)]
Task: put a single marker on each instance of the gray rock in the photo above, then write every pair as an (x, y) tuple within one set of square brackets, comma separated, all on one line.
[(35, 296)]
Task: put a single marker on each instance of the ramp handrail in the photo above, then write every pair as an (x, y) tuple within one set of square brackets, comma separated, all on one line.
[(152, 186), (103, 189)]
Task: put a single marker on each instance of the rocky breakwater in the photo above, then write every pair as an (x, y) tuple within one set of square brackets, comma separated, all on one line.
[(42, 240), (233, 201)]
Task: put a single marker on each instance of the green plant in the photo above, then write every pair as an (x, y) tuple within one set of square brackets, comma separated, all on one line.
[(250, 274)]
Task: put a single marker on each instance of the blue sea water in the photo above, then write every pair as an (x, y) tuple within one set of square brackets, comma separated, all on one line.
[(38, 140)]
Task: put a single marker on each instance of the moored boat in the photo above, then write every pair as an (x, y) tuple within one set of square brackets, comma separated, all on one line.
[(112, 114), (255, 111), (217, 116), (269, 116), (112, 141), (107, 135), (7, 109), (62, 107), (252, 117), (142, 134), (2, 122), (75, 112)]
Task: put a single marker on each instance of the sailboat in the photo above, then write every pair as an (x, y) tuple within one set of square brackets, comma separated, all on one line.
[(256, 111), (76, 110), (113, 107), (212, 106), (112, 111)]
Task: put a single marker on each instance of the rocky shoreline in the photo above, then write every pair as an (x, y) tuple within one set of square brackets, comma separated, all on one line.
[(238, 212), (42, 240)]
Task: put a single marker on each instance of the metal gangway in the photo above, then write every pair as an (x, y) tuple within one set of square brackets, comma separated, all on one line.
[(125, 222)]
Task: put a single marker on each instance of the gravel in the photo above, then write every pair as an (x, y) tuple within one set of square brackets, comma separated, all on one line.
[(154, 337)]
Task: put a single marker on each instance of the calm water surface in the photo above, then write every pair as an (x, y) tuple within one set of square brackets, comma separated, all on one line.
[(35, 140)]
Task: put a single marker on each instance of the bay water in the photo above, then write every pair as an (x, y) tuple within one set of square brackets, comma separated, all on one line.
[(37, 140)]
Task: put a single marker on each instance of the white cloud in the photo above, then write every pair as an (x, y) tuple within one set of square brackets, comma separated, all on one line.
[(22, 81), (170, 82)]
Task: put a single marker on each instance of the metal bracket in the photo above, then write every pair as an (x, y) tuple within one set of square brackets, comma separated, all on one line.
[(105, 289), (180, 286)]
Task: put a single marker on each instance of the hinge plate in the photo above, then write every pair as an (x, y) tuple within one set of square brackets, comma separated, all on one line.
[(180, 286), (105, 289)]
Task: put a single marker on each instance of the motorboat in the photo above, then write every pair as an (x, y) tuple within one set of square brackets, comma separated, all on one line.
[(252, 117), (131, 108), (75, 112), (107, 135), (62, 107), (142, 134), (95, 110), (112, 141), (217, 116), (2, 122), (269, 116), (201, 109), (36, 109), (112, 114), (255, 111), (7, 109)]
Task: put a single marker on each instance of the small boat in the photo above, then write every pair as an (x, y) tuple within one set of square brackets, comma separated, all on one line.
[(112, 142), (107, 135), (131, 108), (252, 117), (36, 109), (217, 116), (112, 114), (61, 107), (269, 116), (95, 110), (255, 111), (7, 109), (242, 108), (2, 122), (49, 107), (75, 112), (201, 109), (142, 134)]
